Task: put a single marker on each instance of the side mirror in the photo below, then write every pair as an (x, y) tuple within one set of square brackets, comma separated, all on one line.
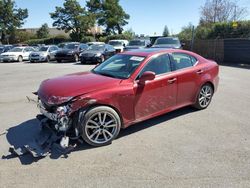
[(183, 44), (148, 75)]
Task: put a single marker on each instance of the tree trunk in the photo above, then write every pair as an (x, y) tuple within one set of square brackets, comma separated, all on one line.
[(119, 29)]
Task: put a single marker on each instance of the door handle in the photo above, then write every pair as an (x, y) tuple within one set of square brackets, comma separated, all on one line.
[(172, 80), (199, 71)]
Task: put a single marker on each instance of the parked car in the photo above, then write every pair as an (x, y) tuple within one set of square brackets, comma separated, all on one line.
[(167, 42), (125, 89), (119, 45), (97, 53), (45, 53), (92, 43), (5, 48), (17, 54), (20, 45), (137, 44), (70, 52)]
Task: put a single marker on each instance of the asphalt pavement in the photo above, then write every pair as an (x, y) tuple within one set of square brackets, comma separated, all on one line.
[(184, 148)]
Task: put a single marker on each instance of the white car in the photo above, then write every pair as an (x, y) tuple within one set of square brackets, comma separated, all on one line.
[(45, 53), (92, 43), (17, 54), (119, 45)]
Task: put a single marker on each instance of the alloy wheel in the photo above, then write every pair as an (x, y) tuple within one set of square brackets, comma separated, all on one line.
[(101, 127), (205, 96)]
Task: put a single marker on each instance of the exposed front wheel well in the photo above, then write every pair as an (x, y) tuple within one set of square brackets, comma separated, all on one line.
[(210, 83)]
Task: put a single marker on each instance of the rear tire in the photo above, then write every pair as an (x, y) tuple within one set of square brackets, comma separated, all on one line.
[(100, 126), (204, 97)]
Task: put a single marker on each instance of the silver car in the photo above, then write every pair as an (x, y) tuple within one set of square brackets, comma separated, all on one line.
[(44, 54), (17, 54)]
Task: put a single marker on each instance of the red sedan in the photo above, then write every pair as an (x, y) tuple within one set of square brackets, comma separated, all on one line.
[(127, 88)]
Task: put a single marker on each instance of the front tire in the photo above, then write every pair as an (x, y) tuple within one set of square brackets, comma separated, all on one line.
[(100, 126), (102, 58), (76, 58), (204, 97), (47, 59), (20, 59)]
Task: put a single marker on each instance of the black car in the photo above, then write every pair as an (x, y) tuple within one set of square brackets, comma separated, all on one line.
[(137, 44), (97, 53), (167, 42), (70, 52)]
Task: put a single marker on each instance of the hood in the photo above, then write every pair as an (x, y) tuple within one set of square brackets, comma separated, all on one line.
[(11, 53), (92, 52), (38, 53), (134, 47), (65, 51), (118, 47), (60, 90), (175, 46)]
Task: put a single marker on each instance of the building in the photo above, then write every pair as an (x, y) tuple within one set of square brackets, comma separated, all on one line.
[(54, 31)]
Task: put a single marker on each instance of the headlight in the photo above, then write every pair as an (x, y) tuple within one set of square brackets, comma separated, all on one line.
[(62, 111), (98, 55)]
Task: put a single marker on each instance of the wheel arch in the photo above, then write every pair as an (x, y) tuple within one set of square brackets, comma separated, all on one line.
[(107, 105)]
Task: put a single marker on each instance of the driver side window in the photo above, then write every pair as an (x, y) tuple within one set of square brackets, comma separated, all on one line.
[(159, 65)]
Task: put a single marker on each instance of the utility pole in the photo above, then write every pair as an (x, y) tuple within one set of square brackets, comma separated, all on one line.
[(192, 41), (215, 10)]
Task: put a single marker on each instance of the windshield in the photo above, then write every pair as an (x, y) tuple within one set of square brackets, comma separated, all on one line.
[(43, 49), (115, 43), (119, 66), (71, 46), (16, 49), (96, 47), (136, 43), (168, 41)]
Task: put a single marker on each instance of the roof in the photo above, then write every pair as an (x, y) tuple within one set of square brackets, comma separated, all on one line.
[(151, 51)]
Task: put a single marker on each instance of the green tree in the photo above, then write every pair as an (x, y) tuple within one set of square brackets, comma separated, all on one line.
[(186, 32), (130, 33), (165, 31), (110, 14), (10, 17), (73, 18), (43, 31)]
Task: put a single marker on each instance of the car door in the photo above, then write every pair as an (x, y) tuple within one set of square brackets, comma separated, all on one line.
[(187, 75), (156, 95)]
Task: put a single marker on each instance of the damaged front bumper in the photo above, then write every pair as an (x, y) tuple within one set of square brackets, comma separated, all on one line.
[(56, 131)]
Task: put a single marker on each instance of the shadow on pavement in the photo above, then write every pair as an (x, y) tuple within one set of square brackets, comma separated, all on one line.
[(242, 66), (25, 132)]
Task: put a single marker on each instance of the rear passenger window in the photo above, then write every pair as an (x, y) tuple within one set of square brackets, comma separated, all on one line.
[(158, 65), (182, 61)]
